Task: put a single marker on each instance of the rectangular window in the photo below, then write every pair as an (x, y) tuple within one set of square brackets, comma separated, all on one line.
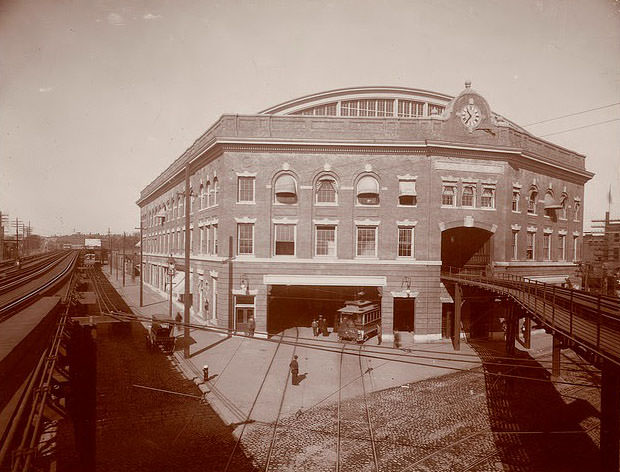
[(515, 200), (448, 195), (547, 246), (575, 248), (515, 247), (487, 200), (245, 238), (366, 241), (246, 189), (562, 247), (468, 198), (325, 241), (577, 205), (204, 240), (405, 242), (284, 243), (531, 203), (531, 245), (215, 240)]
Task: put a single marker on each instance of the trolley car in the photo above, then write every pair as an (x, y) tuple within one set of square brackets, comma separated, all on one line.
[(358, 320)]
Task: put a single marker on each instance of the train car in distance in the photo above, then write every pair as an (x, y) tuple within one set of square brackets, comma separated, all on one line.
[(89, 259), (358, 320)]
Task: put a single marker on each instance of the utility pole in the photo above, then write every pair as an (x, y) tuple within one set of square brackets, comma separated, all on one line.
[(17, 238), (123, 258), (110, 251)]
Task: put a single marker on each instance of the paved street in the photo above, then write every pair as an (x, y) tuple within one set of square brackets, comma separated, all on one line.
[(422, 418)]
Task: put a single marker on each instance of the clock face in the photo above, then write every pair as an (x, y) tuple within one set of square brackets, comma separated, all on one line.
[(470, 116)]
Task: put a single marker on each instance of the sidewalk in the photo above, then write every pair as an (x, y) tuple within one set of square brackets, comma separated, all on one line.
[(238, 365)]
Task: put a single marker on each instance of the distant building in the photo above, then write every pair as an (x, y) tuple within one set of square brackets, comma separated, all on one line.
[(601, 255), (361, 192)]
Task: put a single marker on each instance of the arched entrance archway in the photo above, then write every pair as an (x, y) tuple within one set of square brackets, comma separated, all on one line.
[(466, 245)]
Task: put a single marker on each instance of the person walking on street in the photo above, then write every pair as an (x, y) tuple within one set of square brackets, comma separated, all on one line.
[(251, 326), (315, 327), (294, 366), (379, 334), (396, 339), (321, 324)]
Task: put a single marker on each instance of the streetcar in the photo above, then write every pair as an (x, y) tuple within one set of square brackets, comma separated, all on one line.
[(358, 320), (89, 259)]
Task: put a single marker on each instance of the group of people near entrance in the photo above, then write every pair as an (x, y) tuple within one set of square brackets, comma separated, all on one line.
[(320, 326)]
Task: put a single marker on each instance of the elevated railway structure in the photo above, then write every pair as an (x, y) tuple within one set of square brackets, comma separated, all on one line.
[(586, 323), (34, 304)]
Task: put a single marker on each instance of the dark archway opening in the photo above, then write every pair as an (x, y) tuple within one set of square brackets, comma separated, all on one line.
[(466, 247), (298, 305)]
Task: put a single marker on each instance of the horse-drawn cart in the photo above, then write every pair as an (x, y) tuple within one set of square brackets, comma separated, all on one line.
[(161, 335)]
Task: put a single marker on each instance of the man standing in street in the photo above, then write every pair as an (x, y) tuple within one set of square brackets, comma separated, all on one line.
[(315, 328), (251, 326), (294, 365), (379, 334)]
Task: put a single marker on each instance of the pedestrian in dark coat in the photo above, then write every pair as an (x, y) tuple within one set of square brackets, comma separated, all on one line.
[(321, 324), (396, 339), (315, 327), (294, 366), (379, 332), (325, 330), (251, 326)]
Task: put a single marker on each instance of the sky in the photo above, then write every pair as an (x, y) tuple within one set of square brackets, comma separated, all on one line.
[(98, 97)]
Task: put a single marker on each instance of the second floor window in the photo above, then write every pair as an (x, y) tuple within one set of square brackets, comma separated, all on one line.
[(366, 241), (245, 238), (405, 242), (562, 247), (245, 189), (515, 248), (547, 246), (284, 241), (531, 246), (577, 206), (325, 240)]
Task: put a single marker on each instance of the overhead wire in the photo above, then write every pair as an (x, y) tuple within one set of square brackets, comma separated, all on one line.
[(571, 114), (380, 357)]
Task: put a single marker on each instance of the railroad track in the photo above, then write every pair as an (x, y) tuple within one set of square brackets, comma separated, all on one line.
[(109, 300), (350, 427), (20, 301), (272, 443), (249, 414)]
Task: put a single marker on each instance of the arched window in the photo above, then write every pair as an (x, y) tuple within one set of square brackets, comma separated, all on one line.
[(285, 189), (564, 204), (468, 196), (208, 194), (215, 190), (326, 190), (531, 201), (368, 191), (201, 196), (551, 205)]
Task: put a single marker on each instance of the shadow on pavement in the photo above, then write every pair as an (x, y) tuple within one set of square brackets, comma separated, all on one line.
[(535, 426)]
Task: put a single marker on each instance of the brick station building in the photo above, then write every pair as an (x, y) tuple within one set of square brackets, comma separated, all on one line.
[(361, 192)]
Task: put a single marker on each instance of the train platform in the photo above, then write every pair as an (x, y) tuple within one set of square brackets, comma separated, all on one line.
[(238, 364)]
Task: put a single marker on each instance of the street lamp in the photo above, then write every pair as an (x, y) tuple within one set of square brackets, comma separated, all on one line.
[(170, 275)]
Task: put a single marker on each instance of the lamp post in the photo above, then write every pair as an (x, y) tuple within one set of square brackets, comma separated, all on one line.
[(170, 276)]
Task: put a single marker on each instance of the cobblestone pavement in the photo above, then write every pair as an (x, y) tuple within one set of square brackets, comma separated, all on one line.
[(463, 421), (139, 429)]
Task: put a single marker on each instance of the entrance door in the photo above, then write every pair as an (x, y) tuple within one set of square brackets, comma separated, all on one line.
[(243, 315), (404, 314), (244, 310)]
